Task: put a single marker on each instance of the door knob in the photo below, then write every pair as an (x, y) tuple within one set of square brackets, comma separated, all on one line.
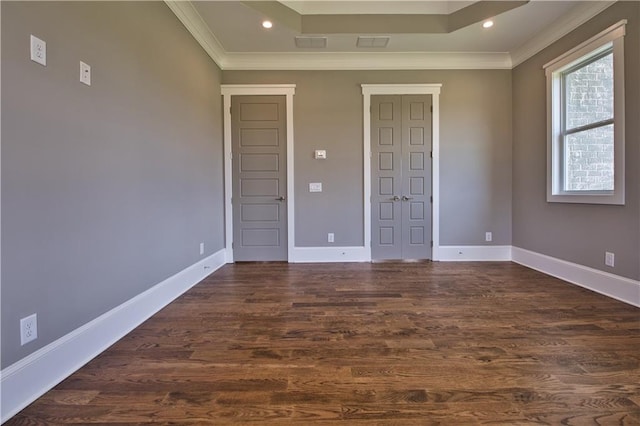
[(405, 198), (395, 198), (280, 198)]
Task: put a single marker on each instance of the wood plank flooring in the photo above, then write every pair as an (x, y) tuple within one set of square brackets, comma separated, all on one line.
[(366, 344)]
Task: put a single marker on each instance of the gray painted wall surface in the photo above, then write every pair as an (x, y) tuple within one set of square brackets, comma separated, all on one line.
[(109, 189), (578, 233), (475, 143)]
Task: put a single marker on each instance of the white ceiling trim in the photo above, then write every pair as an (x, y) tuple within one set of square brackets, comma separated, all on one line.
[(558, 29), (367, 61), (191, 19), (193, 22)]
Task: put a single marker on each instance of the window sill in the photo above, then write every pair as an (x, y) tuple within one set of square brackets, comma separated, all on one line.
[(607, 198)]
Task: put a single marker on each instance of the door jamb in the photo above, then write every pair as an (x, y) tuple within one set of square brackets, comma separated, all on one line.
[(403, 89), (229, 90)]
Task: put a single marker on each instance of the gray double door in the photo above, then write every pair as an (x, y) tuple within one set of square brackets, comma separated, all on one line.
[(259, 200), (401, 177)]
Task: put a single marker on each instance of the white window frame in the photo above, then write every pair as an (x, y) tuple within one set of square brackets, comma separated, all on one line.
[(612, 37)]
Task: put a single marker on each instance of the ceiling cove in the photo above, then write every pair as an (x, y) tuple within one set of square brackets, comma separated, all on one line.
[(321, 60), (396, 23)]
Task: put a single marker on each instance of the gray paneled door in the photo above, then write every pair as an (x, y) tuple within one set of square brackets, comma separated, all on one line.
[(401, 177), (259, 139)]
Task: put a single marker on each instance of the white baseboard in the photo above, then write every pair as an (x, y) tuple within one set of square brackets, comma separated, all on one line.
[(617, 287), (28, 379), (474, 253), (361, 254), (329, 254)]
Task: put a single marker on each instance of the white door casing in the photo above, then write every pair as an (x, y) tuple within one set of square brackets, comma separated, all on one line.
[(369, 90), (229, 90)]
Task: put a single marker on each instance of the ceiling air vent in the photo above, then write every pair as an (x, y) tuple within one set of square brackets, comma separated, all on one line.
[(311, 42), (372, 41)]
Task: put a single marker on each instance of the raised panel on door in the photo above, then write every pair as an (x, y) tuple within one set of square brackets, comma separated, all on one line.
[(416, 182), (259, 178), (386, 187)]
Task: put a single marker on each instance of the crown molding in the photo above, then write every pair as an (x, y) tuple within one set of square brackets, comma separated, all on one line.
[(193, 22), (367, 61), (558, 29), (191, 19)]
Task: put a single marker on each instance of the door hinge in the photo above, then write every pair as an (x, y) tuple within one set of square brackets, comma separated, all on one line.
[(431, 243), (233, 245), (431, 154), (431, 198), (432, 109)]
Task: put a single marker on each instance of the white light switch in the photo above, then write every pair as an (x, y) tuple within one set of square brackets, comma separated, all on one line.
[(315, 187), (320, 154), (38, 50), (85, 73)]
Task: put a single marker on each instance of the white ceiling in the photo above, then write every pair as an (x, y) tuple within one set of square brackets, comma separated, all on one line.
[(232, 34)]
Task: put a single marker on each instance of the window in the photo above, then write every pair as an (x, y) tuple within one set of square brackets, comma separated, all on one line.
[(585, 119)]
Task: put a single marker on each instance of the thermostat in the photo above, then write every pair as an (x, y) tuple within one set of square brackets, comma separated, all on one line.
[(321, 154)]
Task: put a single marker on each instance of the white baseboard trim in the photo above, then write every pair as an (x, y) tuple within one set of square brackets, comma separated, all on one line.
[(474, 253), (614, 286), (26, 380), (329, 254)]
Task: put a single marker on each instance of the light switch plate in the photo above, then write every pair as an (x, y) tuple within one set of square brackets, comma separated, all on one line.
[(85, 73), (315, 187), (38, 50), (320, 154)]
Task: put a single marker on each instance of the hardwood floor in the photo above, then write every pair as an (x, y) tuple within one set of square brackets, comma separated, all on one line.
[(366, 344)]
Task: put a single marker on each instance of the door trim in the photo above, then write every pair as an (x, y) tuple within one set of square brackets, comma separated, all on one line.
[(369, 90), (229, 90)]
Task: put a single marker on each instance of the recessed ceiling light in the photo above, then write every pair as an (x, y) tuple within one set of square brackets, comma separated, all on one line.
[(487, 24), (267, 24)]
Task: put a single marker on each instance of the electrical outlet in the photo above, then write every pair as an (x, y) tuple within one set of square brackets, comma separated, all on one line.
[(609, 259), (488, 236), (201, 248), (38, 50), (330, 237), (28, 329)]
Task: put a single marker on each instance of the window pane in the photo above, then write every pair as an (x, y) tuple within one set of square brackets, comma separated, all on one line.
[(589, 160), (589, 93)]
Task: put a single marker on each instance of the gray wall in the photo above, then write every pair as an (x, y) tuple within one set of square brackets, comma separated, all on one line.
[(475, 151), (578, 233), (109, 189)]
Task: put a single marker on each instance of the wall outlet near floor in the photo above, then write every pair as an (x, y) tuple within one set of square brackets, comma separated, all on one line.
[(28, 329), (330, 237), (488, 236), (201, 248), (609, 259)]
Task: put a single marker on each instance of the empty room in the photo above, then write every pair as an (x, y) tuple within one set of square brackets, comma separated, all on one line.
[(317, 212)]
